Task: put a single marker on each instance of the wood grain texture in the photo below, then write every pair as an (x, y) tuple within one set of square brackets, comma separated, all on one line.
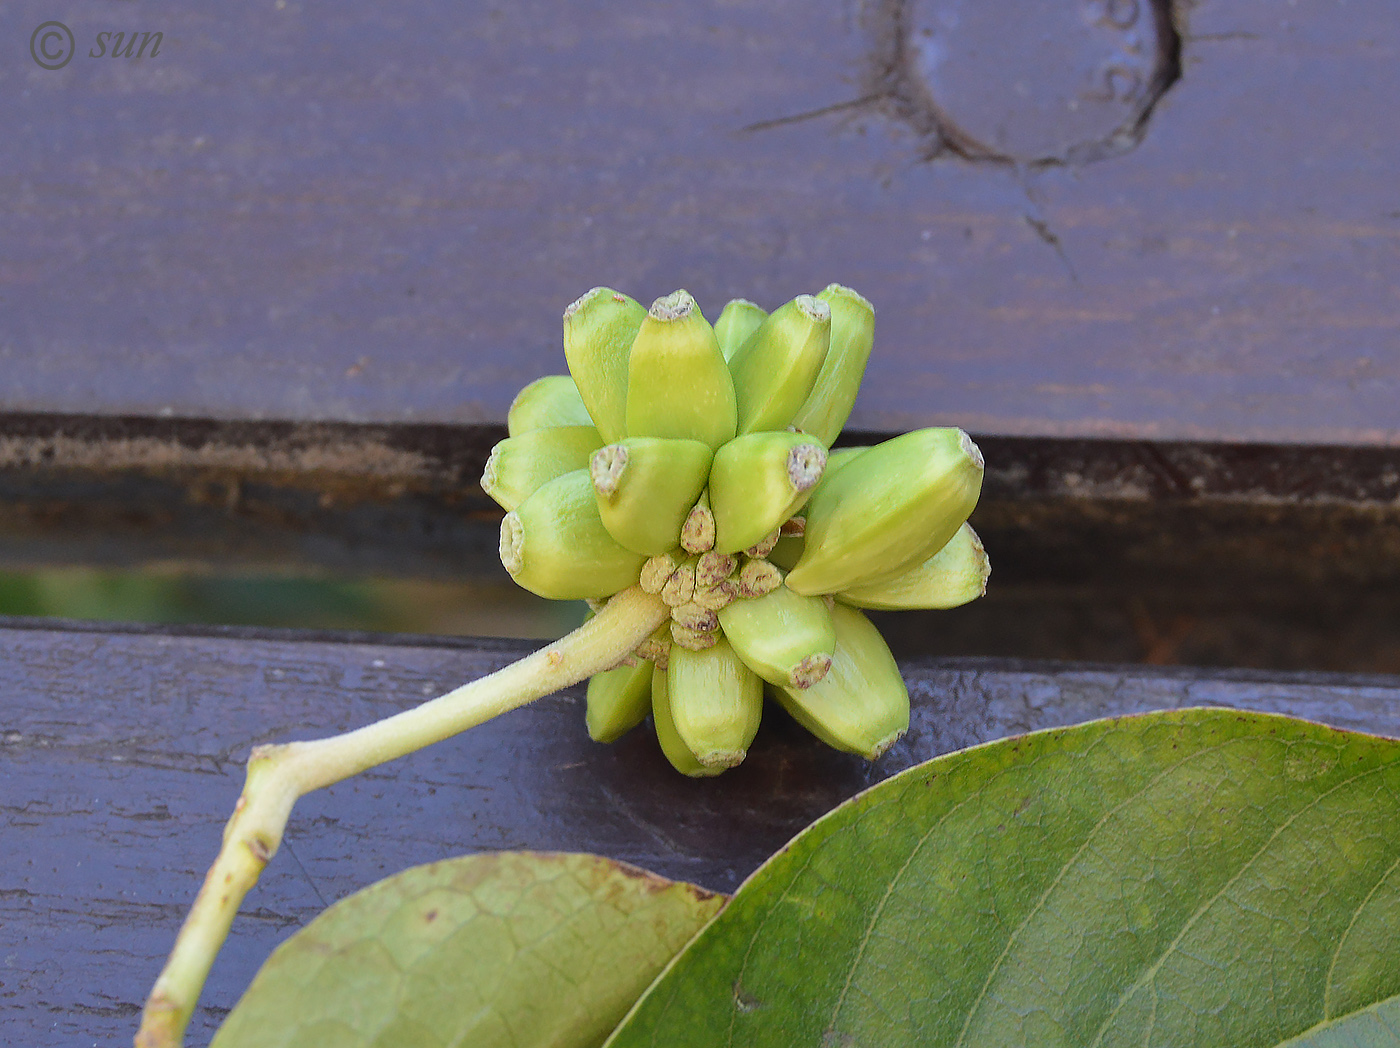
[(121, 753), (377, 214), (405, 500)]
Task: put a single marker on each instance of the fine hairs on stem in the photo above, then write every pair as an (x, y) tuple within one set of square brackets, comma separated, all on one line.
[(279, 775)]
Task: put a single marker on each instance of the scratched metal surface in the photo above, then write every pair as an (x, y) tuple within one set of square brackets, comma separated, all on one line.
[(121, 751), (376, 213)]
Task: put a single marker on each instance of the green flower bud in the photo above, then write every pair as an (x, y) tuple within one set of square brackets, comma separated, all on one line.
[(554, 543), (707, 473), (698, 531), (736, 324), (898, 504), (519, 465), (953, 576), (834, 393), (861, 705), (618, 701), (774, 371), (715, 703), (786, 639), (677, 381), (599, 330), (675, 750), (545, 403), (787, 549), (838, 458), (646, 488), (757, 482)]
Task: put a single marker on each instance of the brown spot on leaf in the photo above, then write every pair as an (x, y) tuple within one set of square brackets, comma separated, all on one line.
[(655, 884)]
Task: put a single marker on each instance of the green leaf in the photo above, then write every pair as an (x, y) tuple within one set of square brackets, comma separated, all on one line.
[(1198, 877), (515, 949)]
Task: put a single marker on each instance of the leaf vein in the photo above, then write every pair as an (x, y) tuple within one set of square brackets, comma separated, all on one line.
[(1150, 973), (880, 907), (1341, 940), (758, 934), (1065, 868)]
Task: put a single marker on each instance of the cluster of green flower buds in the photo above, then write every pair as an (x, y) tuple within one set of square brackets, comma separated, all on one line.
[(696, 461)]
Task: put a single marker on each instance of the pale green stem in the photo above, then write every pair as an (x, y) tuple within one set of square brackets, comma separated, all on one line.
[(279, 775)]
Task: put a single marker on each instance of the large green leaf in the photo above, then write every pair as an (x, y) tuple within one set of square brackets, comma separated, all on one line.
[(1199, 877), (512, 949)]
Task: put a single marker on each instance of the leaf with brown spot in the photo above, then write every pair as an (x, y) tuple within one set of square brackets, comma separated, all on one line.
[(501, 950)]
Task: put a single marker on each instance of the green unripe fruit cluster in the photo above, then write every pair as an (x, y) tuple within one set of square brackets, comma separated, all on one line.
[(696, 462)]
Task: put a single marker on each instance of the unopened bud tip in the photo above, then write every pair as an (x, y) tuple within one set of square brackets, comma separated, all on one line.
[(814, 308), (971, 450), (606, 468), (805, 465), (675, 306), (512, 542), (578, 303)]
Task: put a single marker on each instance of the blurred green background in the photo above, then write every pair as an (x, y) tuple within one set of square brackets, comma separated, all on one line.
[(482, 608), (1348, 631)]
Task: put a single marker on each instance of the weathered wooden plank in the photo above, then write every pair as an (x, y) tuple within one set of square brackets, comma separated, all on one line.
[(377, 214), (1281, 556), (120, 754), (405, 500)]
